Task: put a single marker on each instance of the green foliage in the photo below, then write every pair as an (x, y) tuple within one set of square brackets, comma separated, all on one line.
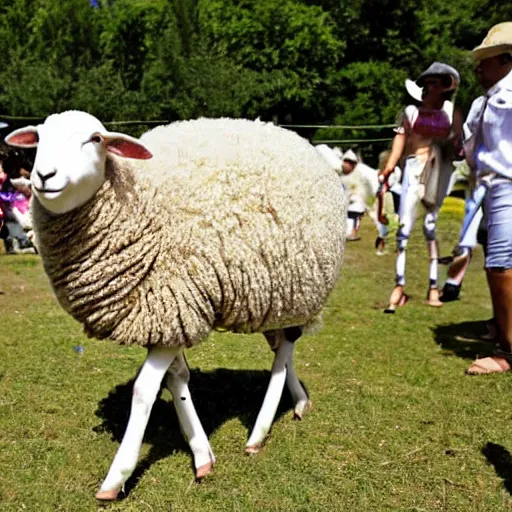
[(302, 62)]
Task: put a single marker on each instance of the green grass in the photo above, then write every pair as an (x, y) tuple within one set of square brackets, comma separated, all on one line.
[(395, 425)]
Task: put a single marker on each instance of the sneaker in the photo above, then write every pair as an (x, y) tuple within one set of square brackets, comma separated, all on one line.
[(11, 245), (451, 292), (26, 246)]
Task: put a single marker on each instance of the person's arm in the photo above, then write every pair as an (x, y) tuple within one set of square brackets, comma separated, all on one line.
[(397, 150), (456, 135)]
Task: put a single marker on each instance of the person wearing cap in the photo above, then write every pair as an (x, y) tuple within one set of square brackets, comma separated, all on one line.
[(488, 149), (360, 183), (425, 143)]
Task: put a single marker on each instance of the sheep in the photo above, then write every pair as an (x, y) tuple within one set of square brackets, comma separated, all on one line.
[(204, 224), (333, 156)]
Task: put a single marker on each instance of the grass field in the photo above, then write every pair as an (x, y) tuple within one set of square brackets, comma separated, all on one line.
[(396, 425)]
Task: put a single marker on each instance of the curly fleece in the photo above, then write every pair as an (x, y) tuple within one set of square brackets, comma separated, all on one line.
[(233, 224)]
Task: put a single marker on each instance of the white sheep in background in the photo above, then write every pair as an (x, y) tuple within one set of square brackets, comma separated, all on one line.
[(332, 156), (232, 224)]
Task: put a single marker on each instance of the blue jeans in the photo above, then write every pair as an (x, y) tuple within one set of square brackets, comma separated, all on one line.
[(498, 206)]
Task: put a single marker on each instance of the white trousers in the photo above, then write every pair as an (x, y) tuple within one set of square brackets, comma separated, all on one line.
[(412, 193)]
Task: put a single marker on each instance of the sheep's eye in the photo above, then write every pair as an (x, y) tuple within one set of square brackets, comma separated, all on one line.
[(96, 139)]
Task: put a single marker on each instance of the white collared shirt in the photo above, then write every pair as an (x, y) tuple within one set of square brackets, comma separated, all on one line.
[(494, 144), (360, 187)]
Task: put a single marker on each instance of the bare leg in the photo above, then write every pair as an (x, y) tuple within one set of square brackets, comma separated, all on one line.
[(145, 390), (458, 266), (178, 377), (273, 394)]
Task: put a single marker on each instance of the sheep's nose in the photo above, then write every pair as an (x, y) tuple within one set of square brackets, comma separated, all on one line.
[(45, 177)]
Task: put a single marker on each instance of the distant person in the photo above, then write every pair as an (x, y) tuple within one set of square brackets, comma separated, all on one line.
[(488, 148), (395, 189), (425, 140), (360, 183)]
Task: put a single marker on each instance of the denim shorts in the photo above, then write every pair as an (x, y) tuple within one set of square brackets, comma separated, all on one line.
[(498, 207)]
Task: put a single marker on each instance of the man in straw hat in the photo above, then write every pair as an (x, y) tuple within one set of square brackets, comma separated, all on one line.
[(360, 183), (488, 147), (425, 142)]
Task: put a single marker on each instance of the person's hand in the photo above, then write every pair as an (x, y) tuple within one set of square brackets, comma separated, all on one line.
[(384, 175)]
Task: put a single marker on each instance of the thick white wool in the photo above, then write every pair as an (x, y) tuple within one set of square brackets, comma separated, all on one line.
[(233, 224)]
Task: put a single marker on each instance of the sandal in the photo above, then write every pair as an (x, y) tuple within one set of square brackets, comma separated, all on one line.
[(398, 299), (433, 298), (499, 362)]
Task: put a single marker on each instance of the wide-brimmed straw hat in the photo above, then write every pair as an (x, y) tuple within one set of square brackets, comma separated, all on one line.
[(497, 41), (440, 69)]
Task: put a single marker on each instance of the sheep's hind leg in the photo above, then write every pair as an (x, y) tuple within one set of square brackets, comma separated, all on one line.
[(283, 350), (145, 390), (301, 402), (178, 377)]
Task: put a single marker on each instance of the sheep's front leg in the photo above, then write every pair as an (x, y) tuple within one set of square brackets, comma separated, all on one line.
[(273, 394), (145, 390), (178, 377)]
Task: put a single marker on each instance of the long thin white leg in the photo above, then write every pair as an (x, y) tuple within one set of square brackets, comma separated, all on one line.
[(145, 389), (178, 377), (272, 396), (299, 397)]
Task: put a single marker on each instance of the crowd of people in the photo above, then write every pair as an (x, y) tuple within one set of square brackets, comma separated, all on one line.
[(430, 137), (15, 220)]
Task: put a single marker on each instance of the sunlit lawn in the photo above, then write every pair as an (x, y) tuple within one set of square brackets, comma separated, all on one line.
[(395, 425)]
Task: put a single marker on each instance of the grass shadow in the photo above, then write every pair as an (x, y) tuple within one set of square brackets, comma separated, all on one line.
[(218, 396), (463, 339), (501, 459)]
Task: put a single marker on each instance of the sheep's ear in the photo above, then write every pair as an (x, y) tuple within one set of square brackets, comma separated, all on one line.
[(23, 137), (123, 145)]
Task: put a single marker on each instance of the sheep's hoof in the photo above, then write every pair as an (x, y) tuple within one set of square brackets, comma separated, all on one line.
[(253, 450), (204, 470), (107, 495), (301, 409)]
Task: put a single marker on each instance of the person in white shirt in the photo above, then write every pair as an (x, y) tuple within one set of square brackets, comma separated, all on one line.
[(426, 140), (488, 147), (360, 183)]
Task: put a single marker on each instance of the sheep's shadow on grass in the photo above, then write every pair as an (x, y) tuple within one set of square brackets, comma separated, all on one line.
[(218, 396), (463, 339), (501, 459)]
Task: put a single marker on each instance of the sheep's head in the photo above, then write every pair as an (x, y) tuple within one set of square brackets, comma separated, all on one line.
[(72, 149)]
